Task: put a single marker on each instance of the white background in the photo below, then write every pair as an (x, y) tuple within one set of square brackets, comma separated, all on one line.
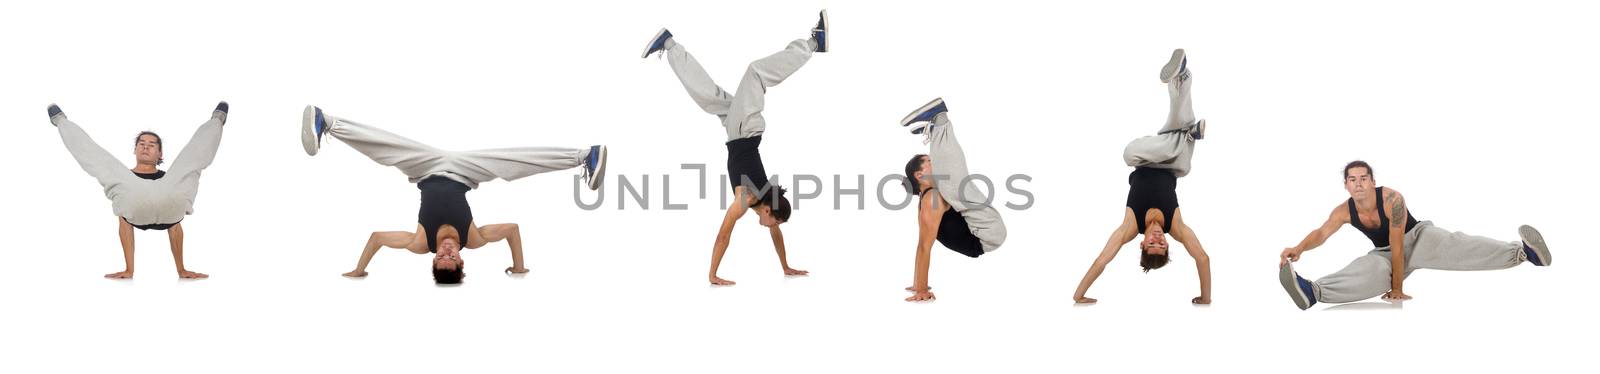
[(1479, 113)]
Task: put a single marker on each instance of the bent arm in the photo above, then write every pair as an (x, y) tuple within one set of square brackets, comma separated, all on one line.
[(512, 234), (1122, 235), (412, 241)]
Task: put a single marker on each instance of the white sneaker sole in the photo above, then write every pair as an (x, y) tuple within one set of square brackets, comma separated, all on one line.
[(1287, 277), (1535, 240), (308, 131), (910, 118), (828, 43), (1171, 70)]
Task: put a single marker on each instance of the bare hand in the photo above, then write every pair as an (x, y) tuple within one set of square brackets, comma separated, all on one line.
[(1396, 295), (517, 270), (1085, 300), (794, 272), (1289, 255), (1200, 301), (125, 274), (920, 296), (717, 281), (356, 274), (185, 274)]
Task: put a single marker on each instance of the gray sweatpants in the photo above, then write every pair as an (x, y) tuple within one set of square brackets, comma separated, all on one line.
[(952, 182), (1427, 247), (419, 161), (141, 201), (740, 112), (1171, 147)]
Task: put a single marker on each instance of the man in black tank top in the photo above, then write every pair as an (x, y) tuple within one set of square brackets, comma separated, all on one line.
[(1402, 244), (740, 115), (145, 197), (1152, 204), (444, 218), (950, 209)]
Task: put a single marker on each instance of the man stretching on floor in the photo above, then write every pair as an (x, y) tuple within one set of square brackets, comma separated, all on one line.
[(1402, 244)]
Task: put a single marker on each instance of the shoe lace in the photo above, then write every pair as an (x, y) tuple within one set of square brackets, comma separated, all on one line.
[(585, 171)]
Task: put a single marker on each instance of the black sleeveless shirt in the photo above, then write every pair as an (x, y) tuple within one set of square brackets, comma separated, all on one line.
[(744, 164), (1380, 234), (954, 232), (1153, 188), (444, 202)]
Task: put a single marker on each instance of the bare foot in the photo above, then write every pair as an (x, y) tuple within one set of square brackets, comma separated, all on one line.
[(356, 274), (125, 274), (185, 274), (516, 270), (794, 272), (1200, 301), (716, 281), (914, 289), (921, 296), (1086, 300)]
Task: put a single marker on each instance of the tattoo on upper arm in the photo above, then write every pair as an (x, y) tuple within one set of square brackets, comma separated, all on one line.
[(1397, 211)]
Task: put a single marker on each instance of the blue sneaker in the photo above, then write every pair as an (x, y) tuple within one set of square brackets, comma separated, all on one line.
[(658, 43), (1299, 288), (820, 33), (1176, 66), (1533, 246), (221, 113), (312, 125), (55, 111), (594, 167), (924, 114)]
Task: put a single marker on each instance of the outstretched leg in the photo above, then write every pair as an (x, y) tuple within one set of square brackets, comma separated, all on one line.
[(705, 92), (418, 161), (514, 163), (414, 159), (1365, 278), (90, 156), (202, 148), (175, 237), (744, 116), (194, 158), (1440, 249)]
